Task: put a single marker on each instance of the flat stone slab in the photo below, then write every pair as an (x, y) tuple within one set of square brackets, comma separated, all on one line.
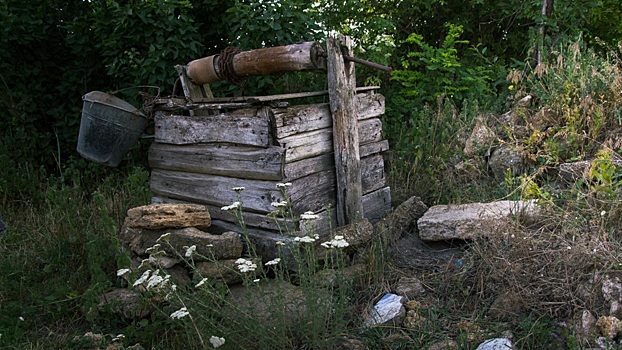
[(162, 216), (468, 221)]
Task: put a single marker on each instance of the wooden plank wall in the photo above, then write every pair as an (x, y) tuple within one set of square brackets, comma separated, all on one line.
[(199, 159)]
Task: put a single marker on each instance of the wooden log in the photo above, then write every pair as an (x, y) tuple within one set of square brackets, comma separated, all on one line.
[(246, 127), (303, 56), (341, 84), (220, 159)]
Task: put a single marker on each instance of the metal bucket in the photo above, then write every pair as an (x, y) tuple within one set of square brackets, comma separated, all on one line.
[(109, 128)]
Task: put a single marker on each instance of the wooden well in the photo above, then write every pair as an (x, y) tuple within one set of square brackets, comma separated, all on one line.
[(257, 142)]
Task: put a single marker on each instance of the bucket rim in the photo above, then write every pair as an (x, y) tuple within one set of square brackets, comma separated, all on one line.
[(97, 96)]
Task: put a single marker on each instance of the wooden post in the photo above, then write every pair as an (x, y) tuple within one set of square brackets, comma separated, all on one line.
[(341, 91)]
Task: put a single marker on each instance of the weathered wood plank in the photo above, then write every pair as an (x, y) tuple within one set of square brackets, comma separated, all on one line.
[(341, 84), (311, 192), (372, 173), (297, 119), (313, 143), (373, 148), (377, 204), (192, 90), (220, 159), (304, 167), (249, 129)]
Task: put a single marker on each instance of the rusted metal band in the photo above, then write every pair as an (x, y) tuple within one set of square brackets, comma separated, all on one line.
[(225, 66)]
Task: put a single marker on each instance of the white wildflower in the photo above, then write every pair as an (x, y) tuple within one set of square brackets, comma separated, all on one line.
[(235, 205), (21, 319), (603, 213), (154, 281), (201, 282), (142, 278), (283, 185), (273, 261), (153, 249), (239, 189), (336, 242), (190, 250), (256, 280), (164, 237), (144, 263), (309, 215), (305, 239), (118, 338), (217, 341), (281, 204), (245, 265), (123, 272), (280, 243), (183, 312)]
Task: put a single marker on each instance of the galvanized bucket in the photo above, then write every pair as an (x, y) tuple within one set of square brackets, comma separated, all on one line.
[(109, 128)]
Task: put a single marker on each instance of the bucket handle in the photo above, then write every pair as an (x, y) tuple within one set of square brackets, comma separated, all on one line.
[(147, 107)]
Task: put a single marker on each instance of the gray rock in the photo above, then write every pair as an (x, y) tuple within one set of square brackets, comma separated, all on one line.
[(496, 344), (388, 310), (409, 287), (125, 303), (481, 136), (585, 328), (446, 344), (224, 270), (612, 292), (208, 246), (467, 221), (401, 220), (504, 158)]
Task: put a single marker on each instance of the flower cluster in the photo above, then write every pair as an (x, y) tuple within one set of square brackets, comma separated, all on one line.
[(308, 215), (306, 239), (217, 341), (336, 242), (245, 265), (235, 205), (190, 250), (273, 261), (283, 185), (181, 313)]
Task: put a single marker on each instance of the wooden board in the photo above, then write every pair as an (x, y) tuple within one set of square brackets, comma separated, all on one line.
[(311, 192), (377, 204), (246, 162), (372, 173), (313, 143), (302, 118), (220, 159), (245, 127)]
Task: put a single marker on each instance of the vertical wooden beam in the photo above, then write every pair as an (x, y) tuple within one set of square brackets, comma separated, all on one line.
[(341, 91), (192, 90)]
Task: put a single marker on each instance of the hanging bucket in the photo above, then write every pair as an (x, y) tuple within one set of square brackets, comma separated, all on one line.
[(109, 128)]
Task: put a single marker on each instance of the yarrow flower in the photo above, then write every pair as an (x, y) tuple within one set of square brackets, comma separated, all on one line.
[(309, 215), (163, 238), (142, 278), (239, 189), (181, 313), (603, 213), (281, 204), (305, 239), (245, 265), (201, 282), (217, 341), (190, 250), (283, 185), (235, 205), (123, 272), (280, 243), (153, 249), (118, 338), (336, 242), (273, 261)]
